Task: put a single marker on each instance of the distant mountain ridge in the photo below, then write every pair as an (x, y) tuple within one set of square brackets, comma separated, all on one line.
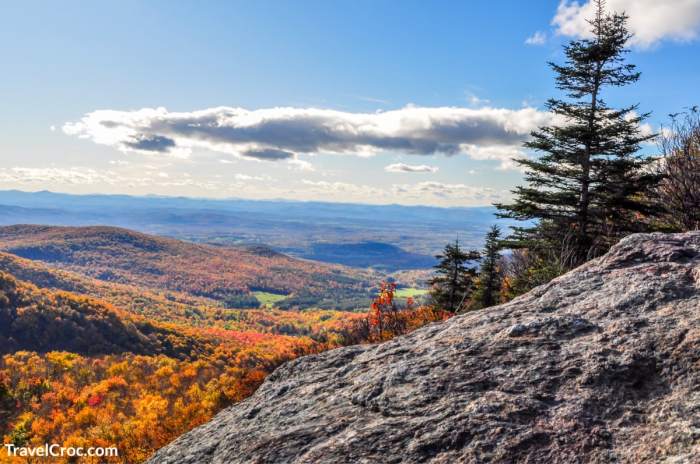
[(291, 226)]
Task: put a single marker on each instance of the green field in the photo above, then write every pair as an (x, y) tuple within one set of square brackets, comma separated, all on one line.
[(269, 299), (410, 292)]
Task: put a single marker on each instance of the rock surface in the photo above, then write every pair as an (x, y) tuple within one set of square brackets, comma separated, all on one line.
[(601, 365)]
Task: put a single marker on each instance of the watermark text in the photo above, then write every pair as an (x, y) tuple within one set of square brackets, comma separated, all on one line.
[(57, 451)]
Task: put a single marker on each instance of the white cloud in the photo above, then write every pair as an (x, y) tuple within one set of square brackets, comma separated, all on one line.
[(338, 186), (263, 186), (301, 165), (281, 134), (650, 20), (538, 38), (475, 101), (506, 154), (323, 186), (420, 193), (76, 176), (466, 194), (645, 129), (403, 167), (246, 177)]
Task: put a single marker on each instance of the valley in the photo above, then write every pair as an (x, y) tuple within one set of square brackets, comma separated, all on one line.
[(350, 232)]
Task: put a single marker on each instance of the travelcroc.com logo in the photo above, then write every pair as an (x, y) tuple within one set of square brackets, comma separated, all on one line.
[(57, 451)]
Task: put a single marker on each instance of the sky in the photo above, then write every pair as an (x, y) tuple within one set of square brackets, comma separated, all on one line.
[(367, 101)]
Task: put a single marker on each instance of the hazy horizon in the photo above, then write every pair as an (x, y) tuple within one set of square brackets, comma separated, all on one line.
[(235, 199)]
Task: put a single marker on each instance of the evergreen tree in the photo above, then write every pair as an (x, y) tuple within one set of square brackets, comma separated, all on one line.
[(454, 280), (586, 190), (488, 286)]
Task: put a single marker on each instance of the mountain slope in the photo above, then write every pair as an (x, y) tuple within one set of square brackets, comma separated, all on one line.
[(95, 371), (40, 320), (128, 257), (163, 306), (600, 365)]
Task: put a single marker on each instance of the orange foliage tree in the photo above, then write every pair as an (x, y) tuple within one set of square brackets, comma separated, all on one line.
[(387, 318)]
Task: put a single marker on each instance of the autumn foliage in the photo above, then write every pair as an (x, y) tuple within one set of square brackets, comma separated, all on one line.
[(126, 257), (387, 319), (134, 363), (81, 372), (136, 403)]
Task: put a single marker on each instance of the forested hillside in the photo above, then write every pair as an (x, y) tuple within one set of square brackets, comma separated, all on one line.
[(84, 372), (221, 273), (42, 320), (110, 337)]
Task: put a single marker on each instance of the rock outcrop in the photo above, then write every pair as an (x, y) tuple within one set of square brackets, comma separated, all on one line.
[(601, 365)]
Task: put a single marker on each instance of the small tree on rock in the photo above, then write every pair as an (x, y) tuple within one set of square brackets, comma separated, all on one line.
[(488, 285), (453, 282)]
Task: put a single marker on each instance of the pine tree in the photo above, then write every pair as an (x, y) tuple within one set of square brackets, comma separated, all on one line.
[(488, 286), (586, 190), (454, 280)]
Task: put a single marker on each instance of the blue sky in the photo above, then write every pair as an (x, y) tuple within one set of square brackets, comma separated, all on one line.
[(303, 72)]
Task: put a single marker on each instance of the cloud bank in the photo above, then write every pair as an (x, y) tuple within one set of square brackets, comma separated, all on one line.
[(282, 134), (414, 193), (85, 176), (651, 21), (75, 176), (480, 195), (432, 192)]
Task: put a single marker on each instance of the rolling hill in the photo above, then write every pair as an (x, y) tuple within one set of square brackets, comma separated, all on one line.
[(113, 336), (126, 257), (181, 309)]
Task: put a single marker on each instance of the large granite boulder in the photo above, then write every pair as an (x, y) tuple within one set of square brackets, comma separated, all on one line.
[(600, 365)]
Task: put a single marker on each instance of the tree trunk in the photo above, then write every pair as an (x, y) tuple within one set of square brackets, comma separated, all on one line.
[(584, 199)]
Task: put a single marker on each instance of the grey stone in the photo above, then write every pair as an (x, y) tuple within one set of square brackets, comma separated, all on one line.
[(601, 365)]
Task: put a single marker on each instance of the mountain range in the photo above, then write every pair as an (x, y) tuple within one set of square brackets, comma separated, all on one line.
[(412, 234)]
